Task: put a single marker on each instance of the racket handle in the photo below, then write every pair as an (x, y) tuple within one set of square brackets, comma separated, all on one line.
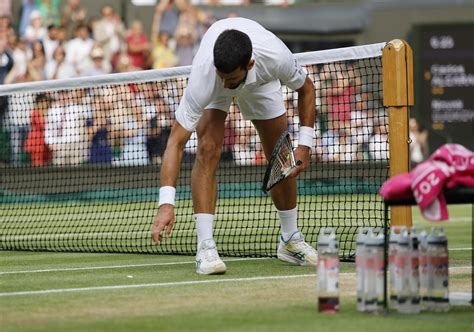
[(298, 163)]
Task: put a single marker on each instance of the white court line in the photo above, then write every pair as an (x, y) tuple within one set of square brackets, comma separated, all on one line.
[(160, 284), (123, 266), (66, 269), (183, 283)]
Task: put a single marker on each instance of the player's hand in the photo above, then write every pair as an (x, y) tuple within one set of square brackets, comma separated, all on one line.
[(302, 157), (164, 220)]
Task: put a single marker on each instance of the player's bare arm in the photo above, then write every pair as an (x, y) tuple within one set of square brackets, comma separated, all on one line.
[(307, 115), (169, 172)]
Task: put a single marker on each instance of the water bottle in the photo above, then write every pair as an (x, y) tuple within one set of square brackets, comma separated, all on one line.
[(328, 271), (360, 262), (414, 272), (374, 272), (424, 269), (392, 254), (402, 273), (437, 249)]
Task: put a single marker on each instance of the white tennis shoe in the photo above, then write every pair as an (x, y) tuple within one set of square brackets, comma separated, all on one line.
[(296, 251), (207, 259)]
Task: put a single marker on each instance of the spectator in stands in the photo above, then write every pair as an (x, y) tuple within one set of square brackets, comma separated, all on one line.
[(33, 67), (49, 10), (73, 15), (27, 8), (340, 96), (361, 128), (159, 131), (6, 59), (65, 128), (61, 35), (79, 49), (186, 35), (6, 29), (17, 122), (6, 65), (59, 68), (38, 60), (185, 46), (96, 65), (100, 130), (163, 55), (123, 64), (283, 3), (109, 32), (169, 11), (50, 42), (378, 143), (138, 45), (158, 111), (327, 148), (21, 55), (35, 30), (419, 142), (6, 8), (133, 135), (35, 143)]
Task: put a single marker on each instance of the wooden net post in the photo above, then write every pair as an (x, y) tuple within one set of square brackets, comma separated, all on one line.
[(397, 60)]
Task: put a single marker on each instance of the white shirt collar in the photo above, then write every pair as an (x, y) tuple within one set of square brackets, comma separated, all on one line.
[(251, 76)]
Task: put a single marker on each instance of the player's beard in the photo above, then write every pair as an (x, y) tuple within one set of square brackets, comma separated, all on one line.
[(235, 86)]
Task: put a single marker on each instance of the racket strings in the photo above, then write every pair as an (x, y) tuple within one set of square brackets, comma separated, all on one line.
[(283, 163)]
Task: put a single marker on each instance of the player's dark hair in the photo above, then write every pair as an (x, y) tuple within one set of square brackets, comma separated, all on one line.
[(233, 49)]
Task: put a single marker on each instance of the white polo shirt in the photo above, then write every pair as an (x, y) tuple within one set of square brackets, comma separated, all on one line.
[(259, 97)]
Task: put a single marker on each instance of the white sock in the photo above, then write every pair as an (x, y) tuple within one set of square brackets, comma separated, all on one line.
[(204, 223), (288, 222)]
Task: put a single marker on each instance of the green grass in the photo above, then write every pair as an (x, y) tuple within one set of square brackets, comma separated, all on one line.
[(117, 226), (275, 302)]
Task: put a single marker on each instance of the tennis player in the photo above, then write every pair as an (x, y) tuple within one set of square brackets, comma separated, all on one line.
[(237, 58)]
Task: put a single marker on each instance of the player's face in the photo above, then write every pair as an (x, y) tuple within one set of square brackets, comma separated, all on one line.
[(233, 79)]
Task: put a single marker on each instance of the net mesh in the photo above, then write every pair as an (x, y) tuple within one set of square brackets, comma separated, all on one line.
[(80, 166)]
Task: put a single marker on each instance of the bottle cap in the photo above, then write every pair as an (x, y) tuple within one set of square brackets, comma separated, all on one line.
[(404, 238), (394, 235), (374, 239), (362, 236), (437, 236), (327, 238)]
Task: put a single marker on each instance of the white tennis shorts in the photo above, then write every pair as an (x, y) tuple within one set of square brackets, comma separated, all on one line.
[(261, 103)]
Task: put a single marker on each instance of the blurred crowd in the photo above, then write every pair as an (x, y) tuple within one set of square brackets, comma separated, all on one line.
[(56, 42), (128, 124)]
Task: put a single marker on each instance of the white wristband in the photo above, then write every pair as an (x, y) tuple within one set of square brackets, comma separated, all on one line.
[(167, 195), (306, 136)]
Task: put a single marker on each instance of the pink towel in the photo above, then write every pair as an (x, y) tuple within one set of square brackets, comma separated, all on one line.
[(449, 166), (397, 187), (428, 179), (456, 156)]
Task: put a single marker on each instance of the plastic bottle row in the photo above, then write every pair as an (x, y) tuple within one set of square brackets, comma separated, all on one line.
[(418, 270)]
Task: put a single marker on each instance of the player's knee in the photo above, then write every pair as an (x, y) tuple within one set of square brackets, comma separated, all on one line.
[(209, 152)]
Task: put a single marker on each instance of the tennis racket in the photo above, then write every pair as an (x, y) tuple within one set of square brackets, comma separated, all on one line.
[(282, 162)]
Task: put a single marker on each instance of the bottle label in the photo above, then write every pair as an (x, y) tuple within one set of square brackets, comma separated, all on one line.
[(402, 277), (328, 275), (440, 266)]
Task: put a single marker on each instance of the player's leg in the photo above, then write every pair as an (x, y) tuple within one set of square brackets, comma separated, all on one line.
[(292, 249), (284, 193), (210, 133), (265, 107)]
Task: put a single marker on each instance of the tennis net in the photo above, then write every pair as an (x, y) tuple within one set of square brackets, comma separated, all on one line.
[(80, 162)]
